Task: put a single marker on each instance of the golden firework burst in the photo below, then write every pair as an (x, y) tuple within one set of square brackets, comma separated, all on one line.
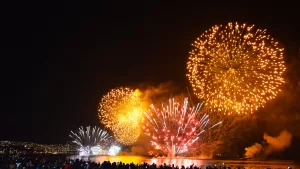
[(235, 68), (121, 111)]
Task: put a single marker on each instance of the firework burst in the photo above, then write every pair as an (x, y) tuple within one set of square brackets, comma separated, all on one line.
[(235, 68), (114, 150), (176, 127), (91, 137), (121, 111), (128, 129)]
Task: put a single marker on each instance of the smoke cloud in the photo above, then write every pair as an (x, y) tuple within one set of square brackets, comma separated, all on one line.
[(159, 93), (274, 145), (277, 144), (138, 150), (153, 91), (253, 151)]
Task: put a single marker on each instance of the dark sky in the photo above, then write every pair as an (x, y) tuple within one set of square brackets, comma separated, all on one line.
[(58, 59)]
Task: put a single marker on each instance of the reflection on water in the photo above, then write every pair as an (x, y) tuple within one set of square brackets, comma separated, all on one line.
[(123, 159), (178, 161), (190, 161)]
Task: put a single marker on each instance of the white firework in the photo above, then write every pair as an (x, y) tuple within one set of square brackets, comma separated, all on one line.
[(114, 150), (91, 137)]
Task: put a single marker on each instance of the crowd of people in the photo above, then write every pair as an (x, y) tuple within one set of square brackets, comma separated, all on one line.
[(43, 163)]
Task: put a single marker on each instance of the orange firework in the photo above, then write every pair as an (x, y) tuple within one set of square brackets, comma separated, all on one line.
[(121, 111), (235, 68)]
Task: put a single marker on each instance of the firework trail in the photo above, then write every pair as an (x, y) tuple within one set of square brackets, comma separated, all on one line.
[(175, 127), (235, 68)]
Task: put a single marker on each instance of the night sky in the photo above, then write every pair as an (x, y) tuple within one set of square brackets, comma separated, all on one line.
[(57, 60)]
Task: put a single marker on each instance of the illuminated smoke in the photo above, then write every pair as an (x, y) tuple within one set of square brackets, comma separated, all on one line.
[(274, 145)]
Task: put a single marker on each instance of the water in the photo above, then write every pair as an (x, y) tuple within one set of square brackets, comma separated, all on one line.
[(248, 164)]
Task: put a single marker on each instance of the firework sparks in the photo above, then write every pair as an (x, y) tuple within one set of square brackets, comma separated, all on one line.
[(114, 150), (176, 127), (121, 111), (128, 127), (88, 139), (235, 68)]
